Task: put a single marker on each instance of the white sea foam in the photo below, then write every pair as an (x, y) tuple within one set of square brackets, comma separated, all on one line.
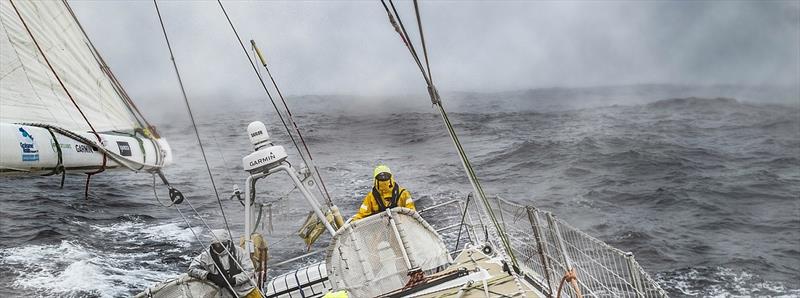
[(724, 282), (71, 268), (140, 231)]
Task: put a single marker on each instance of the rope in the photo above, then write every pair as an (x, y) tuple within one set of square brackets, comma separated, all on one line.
[(197, 134), (138, 116), (64, 87), (121, 160), (463, 217), (436, 100), (572, 279), (191, 117), (60, 166), (202, 247), (271, 99), (155, 194), (310, 162), (215, 238)]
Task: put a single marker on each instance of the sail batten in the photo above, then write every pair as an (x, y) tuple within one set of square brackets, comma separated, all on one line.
[(30, 91)]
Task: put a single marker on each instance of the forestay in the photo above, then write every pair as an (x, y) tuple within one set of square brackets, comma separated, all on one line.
[(30, 91)]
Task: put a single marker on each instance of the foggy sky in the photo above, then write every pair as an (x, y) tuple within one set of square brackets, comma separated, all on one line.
[(348, 47)]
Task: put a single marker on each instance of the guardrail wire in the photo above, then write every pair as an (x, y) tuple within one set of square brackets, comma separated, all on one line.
[(547, 247)]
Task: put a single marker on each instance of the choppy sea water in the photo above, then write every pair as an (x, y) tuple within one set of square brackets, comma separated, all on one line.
[(703, 191)]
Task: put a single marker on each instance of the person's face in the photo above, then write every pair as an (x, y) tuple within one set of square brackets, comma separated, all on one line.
[(218, 248), (384, 182)]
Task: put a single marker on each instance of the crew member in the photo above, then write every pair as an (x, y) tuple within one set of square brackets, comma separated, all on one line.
[(224, 255), (386, 193)]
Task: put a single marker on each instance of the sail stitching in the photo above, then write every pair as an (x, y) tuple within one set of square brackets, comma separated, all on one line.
[(99, 140), (27, 75), (107, 71)]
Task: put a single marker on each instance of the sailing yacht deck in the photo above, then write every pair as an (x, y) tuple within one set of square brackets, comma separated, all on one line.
[(486, 279)]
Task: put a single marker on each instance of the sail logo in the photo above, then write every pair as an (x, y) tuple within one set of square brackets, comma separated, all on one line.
[(124, 148), (29, 151), (262, 160), (83, 148)]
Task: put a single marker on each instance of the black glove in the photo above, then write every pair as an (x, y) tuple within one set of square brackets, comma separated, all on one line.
[(217, 279)]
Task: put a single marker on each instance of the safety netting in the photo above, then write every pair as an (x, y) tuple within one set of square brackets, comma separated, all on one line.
[(375, 255), (184, 286)]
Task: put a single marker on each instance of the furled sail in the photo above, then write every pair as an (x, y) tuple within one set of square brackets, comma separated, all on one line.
[(55, 86)]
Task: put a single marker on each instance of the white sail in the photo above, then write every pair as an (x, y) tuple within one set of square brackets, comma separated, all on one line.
[(29, 88), (56, 90)]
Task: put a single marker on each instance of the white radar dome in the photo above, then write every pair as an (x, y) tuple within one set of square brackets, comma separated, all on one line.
[(258, 134)]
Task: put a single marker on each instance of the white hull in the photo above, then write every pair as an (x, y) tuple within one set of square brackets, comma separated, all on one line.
[(37, 154)]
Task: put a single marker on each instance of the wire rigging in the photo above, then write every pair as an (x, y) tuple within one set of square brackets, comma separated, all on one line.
[(436, 100), (191, 117), (197, 134), (310, 162), (422, 39), (214, 237), (64, 87), (202, 245), (274, 105)]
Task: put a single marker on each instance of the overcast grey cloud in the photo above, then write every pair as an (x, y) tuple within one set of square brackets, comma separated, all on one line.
[(348, 47)]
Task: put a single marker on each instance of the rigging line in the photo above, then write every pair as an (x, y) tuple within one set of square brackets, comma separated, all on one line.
[(453, 136), (191, 116), (473, 179), (405, 33), (235, 261), (324, 189), (261, 80), (60, 82), (116, 85), (460, 226), (410, 46), (202, 247), (122, 160), (155, 194), (422, 38), (465, 160), (406, 39), (394, 23)]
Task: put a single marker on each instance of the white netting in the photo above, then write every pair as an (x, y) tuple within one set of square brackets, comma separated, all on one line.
[(183, 286), (542, 244), (366, 257)]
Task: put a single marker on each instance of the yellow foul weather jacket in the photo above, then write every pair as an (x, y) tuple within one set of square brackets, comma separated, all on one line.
[(392, 195)]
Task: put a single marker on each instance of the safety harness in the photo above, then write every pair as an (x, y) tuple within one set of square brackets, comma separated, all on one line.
[(396, 192), (233, 269)]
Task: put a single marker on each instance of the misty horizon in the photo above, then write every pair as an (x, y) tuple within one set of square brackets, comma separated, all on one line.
[(349, 49)]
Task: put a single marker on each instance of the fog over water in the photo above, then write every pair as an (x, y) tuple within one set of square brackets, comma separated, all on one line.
[(349, 48), (668, 129)]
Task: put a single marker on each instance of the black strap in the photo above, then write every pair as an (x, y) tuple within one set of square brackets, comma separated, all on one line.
[(233, 270), (396, 192), (59, 169)]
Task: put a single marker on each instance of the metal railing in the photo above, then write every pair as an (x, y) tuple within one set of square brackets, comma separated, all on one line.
[(546, 247)]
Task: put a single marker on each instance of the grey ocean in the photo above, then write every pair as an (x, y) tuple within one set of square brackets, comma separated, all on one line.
[(704, 191)]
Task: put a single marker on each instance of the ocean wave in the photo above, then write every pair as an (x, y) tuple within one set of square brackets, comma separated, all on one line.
[(722, 282), (104, 266), (74, 270), (693, 103)]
